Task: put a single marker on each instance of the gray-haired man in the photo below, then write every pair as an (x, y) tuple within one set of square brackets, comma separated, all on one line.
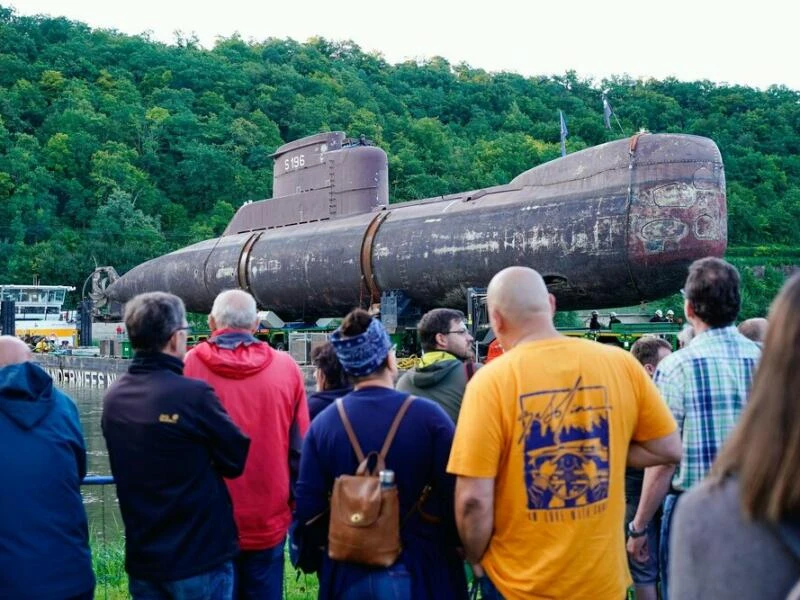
[(170, 443), (264, 392)]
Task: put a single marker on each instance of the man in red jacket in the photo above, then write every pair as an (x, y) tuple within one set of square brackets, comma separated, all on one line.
[(263, 391)]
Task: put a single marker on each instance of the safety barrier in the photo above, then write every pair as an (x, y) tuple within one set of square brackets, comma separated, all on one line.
[(108, 556)]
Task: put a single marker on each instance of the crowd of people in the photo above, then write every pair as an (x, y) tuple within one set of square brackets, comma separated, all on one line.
[(563, 469)]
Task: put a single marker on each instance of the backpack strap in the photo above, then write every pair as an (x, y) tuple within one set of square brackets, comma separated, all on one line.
[(417, 508), (395, 424), (426, 491), (349, 429)]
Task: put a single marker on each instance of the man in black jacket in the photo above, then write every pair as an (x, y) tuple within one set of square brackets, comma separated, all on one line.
[(170, 443)]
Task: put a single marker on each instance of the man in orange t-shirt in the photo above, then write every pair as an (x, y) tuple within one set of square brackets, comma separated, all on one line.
[(540, 450)]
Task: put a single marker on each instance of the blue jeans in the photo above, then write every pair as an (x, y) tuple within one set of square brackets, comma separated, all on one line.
[(392, 583), (216, 584), (259, 574), (663, 550)]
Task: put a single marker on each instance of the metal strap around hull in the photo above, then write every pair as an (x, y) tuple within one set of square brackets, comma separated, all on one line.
[(242, 278), (631, 168), (367, 275)]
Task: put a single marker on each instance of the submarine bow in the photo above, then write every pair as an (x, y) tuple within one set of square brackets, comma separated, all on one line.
[(612, 225)]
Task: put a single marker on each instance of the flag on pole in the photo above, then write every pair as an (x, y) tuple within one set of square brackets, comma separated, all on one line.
[(564, 133), (607, 112)]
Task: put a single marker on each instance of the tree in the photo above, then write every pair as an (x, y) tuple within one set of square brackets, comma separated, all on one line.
[(114, 169), (122, 235)]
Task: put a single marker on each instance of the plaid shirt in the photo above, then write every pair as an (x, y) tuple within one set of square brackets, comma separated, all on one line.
[(706, 385)]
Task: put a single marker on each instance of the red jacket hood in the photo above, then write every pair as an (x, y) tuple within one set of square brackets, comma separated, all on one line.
[(230, 354)]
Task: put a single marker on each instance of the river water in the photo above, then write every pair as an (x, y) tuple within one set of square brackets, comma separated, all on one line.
[(105, 521), (100, 501)]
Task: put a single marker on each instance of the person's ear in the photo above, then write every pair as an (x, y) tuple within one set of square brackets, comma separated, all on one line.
[(441, 340), (212, 324), (552, 300), (688, 309), (172, 343), (391, 363), (497, 321)]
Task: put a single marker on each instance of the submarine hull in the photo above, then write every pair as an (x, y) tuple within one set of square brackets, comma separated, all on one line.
[(609, 226)]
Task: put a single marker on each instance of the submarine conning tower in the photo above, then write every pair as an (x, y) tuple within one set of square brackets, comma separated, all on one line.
[(317, 178)]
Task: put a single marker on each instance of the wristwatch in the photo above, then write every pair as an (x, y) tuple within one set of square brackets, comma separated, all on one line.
[(635, 534)]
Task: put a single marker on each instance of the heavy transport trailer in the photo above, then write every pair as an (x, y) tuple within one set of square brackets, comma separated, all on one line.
[(612, 225)]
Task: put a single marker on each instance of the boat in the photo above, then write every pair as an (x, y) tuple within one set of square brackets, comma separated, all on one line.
[(38, 313)]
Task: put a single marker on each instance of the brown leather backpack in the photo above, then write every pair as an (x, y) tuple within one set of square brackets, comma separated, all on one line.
[(365, 519)]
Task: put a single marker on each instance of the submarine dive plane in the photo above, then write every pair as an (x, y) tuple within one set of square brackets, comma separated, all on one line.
[(611, 225)]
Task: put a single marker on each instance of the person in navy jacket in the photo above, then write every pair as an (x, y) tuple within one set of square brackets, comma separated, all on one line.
[(44, 538), (429, 565)]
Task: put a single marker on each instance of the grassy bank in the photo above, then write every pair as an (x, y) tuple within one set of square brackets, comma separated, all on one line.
[(108, 562)]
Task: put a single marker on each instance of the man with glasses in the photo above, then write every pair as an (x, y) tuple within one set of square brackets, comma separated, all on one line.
[(170, 443), (446, 364), (705, 385)]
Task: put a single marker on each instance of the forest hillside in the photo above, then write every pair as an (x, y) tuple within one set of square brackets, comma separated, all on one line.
[(116, 148)]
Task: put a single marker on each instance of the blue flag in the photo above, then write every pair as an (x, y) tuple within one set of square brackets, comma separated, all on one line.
[(607, 112), (564, 133)]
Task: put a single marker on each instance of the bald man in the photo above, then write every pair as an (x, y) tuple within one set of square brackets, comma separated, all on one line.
[(13, 350), (754, 329), (43, 528), (264, 393), (540, 450)]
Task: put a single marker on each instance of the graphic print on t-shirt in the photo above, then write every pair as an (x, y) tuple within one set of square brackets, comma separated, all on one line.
[(566, 445)]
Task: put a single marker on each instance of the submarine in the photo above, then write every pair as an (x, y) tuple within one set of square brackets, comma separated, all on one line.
[(611, 225)]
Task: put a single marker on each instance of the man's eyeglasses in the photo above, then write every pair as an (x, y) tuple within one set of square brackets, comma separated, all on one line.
[(458, 332), (186, 328)]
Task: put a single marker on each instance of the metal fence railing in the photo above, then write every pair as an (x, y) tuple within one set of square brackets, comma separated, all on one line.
[(108, 547)]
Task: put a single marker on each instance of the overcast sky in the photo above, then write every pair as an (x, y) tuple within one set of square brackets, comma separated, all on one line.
[(749, 43)]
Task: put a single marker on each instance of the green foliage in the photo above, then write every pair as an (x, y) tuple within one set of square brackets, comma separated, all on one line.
[(566, 319), (122, 235), (115, 149), (759, 288), (296, 585), (108, 563)]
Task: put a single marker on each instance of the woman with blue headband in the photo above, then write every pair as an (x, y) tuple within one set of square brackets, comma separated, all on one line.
[(429, 565)]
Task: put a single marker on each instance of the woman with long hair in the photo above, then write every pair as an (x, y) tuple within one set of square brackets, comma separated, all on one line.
[(737, 535)]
